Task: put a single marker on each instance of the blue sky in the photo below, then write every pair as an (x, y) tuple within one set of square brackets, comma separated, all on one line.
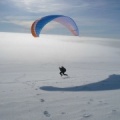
[(95, 18)]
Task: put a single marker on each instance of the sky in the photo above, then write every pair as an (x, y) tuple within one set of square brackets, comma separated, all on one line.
[(94, 18)]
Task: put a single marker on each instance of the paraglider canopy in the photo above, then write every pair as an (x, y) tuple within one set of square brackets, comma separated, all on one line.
[(66, 21)]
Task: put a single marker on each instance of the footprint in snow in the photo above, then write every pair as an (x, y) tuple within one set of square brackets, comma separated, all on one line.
[(46, 113), (63, 113), (103, 103), (87, 115), (38, 94), (42, 100), (114, 111)]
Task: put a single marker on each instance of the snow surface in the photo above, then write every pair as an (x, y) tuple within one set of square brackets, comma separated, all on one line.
[(32, 89)]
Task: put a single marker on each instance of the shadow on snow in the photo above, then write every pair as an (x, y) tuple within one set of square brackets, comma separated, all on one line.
[(111, 83)]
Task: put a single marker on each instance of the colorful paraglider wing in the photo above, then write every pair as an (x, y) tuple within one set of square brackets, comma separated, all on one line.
[(69, 23), (33, 29), (66, 21)]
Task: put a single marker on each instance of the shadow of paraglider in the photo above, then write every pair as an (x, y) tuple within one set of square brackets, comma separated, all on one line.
[(111, 83)]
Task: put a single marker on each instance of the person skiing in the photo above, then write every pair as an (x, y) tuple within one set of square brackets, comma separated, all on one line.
[(62, 71)]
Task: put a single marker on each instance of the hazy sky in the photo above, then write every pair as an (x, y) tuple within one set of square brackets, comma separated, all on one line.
[(96, 18)]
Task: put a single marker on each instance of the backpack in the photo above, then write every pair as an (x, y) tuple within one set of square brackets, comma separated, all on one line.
[(63, 69)]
